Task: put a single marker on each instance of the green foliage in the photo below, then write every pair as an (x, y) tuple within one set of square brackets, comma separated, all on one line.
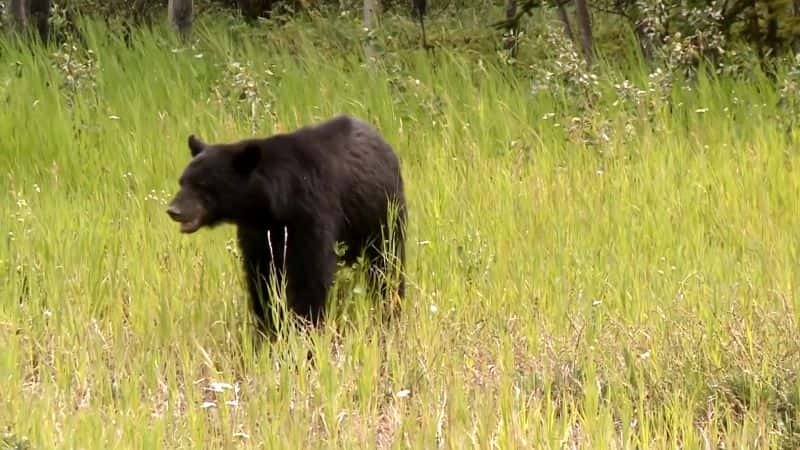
[(605, 261), (681, 35)]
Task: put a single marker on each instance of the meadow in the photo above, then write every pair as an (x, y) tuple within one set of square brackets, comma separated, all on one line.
[(620, 275)]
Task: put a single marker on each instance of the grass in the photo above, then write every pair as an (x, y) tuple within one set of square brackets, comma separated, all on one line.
[(621, 277)]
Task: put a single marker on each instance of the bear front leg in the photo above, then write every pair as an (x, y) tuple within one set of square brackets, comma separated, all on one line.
[(311, 269), (260, 248)]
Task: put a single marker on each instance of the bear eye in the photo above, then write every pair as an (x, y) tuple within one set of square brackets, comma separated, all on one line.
[(205, 187)]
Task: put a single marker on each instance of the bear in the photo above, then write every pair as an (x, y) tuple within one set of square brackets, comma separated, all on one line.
[(293, 196)]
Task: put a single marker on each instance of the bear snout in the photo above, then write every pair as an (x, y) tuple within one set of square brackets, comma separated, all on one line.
[(190, 220), (175, 213)]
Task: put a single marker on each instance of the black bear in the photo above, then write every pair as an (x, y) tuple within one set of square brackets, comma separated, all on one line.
[(292, 196)]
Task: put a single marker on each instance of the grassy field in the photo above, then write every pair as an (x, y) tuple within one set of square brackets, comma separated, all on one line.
[(619, 277)]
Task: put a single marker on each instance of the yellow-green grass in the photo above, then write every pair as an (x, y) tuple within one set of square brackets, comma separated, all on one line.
[(624, 280)]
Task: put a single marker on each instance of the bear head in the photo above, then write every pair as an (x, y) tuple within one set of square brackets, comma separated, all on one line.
[(216, 185)]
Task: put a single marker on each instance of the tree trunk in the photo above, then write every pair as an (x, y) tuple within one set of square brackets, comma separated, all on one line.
[(371, 13), (510, 41), (39, 11), (771, 35), (562, 14), (180, 15), (36, 12), (753, 32), (253, 9), (796, 40), (420, 8), (19, 13), (585, 28), (511, 9)]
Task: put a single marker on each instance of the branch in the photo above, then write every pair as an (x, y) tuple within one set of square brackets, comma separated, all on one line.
[(524, 9), (612, 12), (513, 22), (738, 7)]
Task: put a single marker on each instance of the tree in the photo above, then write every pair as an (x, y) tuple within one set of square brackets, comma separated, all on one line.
[(40, 15), (253, 9), (37, 10), (585, 29), (511, 38), (420, 8), (581, 17), (18, 13), (180, 15), (796, 40), (371, 13), (562, 14)]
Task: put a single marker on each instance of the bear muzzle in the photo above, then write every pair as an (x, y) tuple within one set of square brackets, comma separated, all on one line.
[(188, 224)]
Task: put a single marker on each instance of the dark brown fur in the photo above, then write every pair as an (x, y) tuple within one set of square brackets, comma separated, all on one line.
[(319, 184)]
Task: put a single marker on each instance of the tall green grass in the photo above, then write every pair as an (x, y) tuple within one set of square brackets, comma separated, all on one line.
[(621, 277)]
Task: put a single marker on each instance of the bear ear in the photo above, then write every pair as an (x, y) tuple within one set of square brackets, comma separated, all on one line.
[(246, 159), (196, 145)]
